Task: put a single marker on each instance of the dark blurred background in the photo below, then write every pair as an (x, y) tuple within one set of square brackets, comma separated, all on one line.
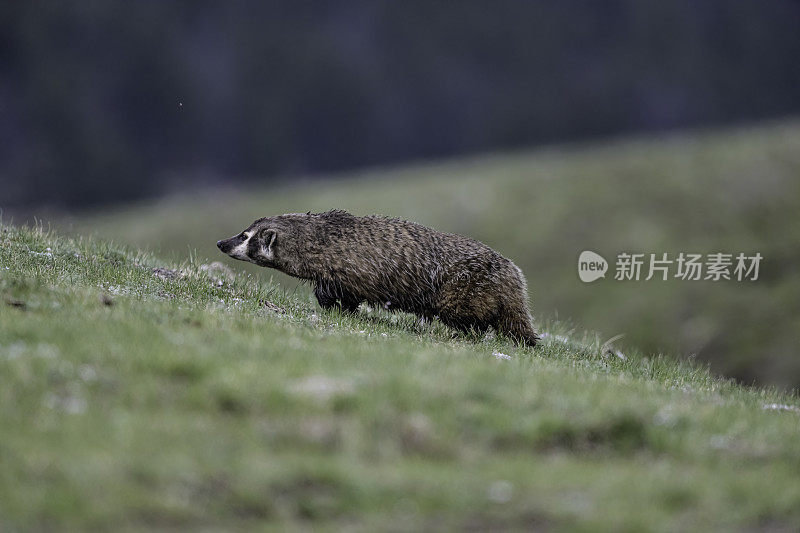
[(106, 101), (541, 128)]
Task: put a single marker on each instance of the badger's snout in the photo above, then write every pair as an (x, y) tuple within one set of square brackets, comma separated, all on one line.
[(235, 247)]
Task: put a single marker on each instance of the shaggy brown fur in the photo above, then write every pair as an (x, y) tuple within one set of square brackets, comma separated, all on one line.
[(395, 264)]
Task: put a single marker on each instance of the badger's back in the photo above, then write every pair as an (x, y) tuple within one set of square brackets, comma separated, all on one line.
[(402, 265)]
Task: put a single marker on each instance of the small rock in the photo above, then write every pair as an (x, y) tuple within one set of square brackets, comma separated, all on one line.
[(416, 432), (218, 271), (73, 405), (320, 431), (19, 304), (87, 373), (500, 491), (719, 442), (166, 273), (322, 387), (271, 306), (781, 407)]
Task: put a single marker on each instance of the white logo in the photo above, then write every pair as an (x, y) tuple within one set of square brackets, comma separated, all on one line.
[(591, 266)]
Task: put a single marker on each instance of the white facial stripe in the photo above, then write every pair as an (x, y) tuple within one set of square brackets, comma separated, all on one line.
[(240, 252)]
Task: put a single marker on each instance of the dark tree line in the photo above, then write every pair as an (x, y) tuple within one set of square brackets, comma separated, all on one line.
[(108, 100)]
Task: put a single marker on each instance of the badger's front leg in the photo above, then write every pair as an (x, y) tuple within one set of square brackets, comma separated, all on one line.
[(324, 296), (330, 295)]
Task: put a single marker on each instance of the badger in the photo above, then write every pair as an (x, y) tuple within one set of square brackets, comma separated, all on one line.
[(394, 264)]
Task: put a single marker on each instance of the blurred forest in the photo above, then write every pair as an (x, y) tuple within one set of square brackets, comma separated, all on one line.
[(110, 101)]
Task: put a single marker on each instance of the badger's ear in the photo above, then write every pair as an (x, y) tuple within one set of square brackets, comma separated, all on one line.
[(266, 238)]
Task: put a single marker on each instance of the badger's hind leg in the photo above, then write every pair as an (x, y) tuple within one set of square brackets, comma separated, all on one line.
[(467, 325), (350, 303), (517, 325)]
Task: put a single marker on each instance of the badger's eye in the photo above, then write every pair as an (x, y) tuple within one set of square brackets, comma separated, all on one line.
[(242, 236)]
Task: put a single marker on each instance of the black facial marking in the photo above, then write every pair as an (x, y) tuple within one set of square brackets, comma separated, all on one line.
[(252, 247)]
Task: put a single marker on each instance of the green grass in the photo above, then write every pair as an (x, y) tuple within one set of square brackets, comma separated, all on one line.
[(134, 398), (717, 191)]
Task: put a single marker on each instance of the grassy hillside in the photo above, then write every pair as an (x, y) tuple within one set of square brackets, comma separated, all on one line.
[(136, 394), (731, 191)]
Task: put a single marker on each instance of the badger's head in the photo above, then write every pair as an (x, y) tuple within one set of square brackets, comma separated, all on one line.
[(257, 244), (290, 243)]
